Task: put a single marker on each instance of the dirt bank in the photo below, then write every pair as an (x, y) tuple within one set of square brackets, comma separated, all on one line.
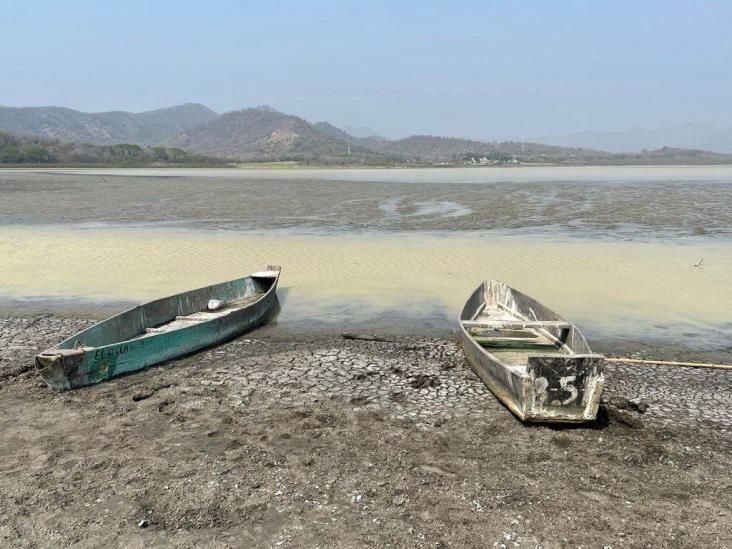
[(271, 440)]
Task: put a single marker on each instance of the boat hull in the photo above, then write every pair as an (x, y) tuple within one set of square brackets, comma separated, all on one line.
[(551, 388), (66, 367)]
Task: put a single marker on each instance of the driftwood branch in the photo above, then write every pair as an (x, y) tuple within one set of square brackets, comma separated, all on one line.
[(367, 337), (409, 343)]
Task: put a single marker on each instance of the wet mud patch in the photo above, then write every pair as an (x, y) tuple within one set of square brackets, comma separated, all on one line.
[(624, 208)]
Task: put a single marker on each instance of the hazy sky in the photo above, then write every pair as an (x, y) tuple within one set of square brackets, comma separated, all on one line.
[(478, 69)]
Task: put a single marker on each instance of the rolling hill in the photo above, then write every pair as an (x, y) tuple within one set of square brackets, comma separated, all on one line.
[(105, 128), (262, 133)]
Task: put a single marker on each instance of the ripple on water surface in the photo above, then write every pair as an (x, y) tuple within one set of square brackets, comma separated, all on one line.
[(610, 288)]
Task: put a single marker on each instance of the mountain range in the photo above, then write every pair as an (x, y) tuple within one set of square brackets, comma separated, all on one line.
[(688, 136), (265, 134)]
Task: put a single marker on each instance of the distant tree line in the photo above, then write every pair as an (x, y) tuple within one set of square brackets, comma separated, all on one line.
[(31, 150)]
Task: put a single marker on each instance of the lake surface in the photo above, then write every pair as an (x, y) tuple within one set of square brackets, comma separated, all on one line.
[(612, 248)]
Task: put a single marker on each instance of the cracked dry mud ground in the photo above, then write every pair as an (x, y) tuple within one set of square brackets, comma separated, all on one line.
[(273, 440)]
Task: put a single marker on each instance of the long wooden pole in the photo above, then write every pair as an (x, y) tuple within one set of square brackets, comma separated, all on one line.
[(671, 363)]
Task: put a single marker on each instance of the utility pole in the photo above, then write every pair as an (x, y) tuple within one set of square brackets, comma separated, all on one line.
[(349, 147)]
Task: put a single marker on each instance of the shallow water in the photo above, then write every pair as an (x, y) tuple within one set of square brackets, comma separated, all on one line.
[(612, 289)]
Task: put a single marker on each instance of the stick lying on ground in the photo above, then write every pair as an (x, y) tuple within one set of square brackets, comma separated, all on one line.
[(367, 337), (671, 363)]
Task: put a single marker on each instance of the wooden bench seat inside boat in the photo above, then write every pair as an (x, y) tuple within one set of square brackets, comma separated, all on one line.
[(511, 339)]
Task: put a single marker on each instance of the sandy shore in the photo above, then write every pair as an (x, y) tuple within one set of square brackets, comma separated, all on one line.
[(282, 440)]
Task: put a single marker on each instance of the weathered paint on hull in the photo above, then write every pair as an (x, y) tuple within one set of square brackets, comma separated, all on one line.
[(554, 388), (69, 368)]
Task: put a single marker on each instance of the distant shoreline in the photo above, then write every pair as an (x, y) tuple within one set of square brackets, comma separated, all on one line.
[(295, 166)]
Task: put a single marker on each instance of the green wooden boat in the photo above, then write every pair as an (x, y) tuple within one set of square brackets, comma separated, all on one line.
[(160, 330)]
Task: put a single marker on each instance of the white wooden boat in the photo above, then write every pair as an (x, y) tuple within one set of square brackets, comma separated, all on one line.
[(536, 362)]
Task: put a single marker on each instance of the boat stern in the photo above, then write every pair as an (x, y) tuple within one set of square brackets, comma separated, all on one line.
[(267, 279), (57, 366), (272, 271), (563, 388)]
